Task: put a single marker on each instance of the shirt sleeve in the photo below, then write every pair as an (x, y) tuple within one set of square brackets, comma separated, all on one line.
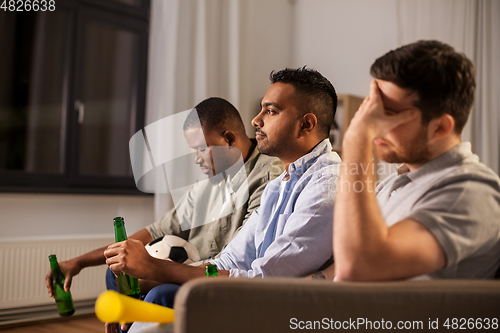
[(306, 241), (463, 217), (169, 223)]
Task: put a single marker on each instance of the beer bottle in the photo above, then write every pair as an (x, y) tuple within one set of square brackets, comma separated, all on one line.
[(211, 270), (125, 284), (64, 301)]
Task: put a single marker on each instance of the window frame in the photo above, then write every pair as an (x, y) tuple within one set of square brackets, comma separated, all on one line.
[(131, 18)]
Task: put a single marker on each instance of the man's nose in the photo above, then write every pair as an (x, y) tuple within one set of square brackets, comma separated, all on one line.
[(197, 157), (257, 121)]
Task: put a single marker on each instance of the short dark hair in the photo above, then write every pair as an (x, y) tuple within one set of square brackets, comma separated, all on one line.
[(214, 114), (317, 92), (443, 79)]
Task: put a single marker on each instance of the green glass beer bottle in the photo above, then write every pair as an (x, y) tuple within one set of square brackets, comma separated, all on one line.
[(125, 284), (64, 301), (211, 270)]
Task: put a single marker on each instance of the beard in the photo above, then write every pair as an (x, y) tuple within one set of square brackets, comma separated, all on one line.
[(412, 152), (266, 148), (278, 149)]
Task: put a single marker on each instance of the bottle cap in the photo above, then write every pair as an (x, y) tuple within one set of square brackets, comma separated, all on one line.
[(211, 270), (118, 220)]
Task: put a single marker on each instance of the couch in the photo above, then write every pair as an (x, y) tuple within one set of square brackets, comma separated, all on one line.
[(283, 305)]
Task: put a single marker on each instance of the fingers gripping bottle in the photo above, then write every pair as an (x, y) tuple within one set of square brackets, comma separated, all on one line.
[(125, 284), (64, 301)]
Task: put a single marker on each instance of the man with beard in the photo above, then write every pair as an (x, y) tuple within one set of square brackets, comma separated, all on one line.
[(439, 215), (290, 233)]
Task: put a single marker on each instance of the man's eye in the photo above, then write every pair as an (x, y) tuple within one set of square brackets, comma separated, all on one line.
[(271, 111), (391, 112)]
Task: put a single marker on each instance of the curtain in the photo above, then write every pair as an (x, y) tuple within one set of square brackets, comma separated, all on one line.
[(471, 27), (485, 119), (183, 59), (199, 49)]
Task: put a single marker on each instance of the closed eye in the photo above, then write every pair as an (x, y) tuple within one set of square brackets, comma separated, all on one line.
[(200, 150), (396, 111)]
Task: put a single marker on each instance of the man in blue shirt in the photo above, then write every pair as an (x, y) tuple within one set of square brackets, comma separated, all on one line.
[(288, 233), (291, 233)]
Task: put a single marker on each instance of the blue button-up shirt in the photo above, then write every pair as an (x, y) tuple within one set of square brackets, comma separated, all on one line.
[(292, 236)]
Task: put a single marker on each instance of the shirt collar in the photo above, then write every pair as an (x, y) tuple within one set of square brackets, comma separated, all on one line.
[(303, 163), (449, 158)]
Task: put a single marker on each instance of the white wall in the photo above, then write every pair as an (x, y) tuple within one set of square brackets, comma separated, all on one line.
[(342, 38), (266, 46), (59, 216)]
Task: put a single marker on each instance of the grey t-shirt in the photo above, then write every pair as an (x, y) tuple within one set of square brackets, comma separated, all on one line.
[(457, 199)]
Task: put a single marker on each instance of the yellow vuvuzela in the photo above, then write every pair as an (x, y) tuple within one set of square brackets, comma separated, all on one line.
[(112, 307)]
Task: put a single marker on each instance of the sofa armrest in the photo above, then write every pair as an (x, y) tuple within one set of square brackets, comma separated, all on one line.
[(270, 305)]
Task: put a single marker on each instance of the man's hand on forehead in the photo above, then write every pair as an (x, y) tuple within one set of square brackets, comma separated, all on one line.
[(373, 119)]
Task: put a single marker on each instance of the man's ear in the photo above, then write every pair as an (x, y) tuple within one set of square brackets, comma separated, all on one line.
[(441, 126), (229, 137), (309, 122)]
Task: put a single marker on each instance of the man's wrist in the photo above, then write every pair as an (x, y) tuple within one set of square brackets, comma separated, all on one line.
[(356, 146), (78, 263), (359, 136)]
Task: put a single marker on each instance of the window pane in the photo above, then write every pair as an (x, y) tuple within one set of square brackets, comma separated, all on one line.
[(108, 93), (31, 91)]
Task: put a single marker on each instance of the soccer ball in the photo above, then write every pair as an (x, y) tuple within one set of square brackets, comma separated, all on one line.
[(173, 248)]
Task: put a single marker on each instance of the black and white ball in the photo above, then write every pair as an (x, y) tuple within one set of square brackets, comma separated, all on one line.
[(173, 248)]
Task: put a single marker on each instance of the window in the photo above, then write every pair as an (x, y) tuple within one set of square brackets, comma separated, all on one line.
[(72, 93)]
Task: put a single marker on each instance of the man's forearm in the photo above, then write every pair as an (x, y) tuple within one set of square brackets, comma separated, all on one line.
[(93, 258), (165, 271), (358, 226), (96, 257)]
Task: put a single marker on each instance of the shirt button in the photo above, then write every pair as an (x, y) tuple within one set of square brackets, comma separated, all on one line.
[(393, 192)]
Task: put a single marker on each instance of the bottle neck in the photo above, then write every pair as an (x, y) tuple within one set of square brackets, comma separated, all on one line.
[(54, 265), (120, 233)]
